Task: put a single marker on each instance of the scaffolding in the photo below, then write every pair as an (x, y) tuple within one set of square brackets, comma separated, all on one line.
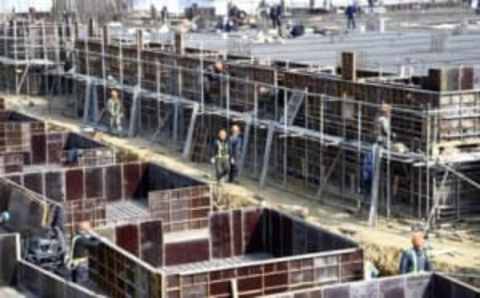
[(306, 129), (29, 50)]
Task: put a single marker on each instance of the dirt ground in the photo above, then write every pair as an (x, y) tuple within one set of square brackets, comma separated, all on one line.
[(455, 250)]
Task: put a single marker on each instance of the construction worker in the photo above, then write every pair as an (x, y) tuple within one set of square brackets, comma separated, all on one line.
[(350, 13), (383, 125), (81, 242), (213, 79), (116, 112), (415, 259), (221, 158), (276, 14), (236, 147), (370, 271), (164, 14)]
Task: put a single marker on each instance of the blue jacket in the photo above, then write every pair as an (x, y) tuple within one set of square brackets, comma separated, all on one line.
[(351, 11), (236, 144)]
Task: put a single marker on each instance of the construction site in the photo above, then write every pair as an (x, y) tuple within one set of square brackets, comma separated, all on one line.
[(172, 150)]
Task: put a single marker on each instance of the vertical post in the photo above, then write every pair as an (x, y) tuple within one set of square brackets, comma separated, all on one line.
[(344, 151), (44, 56), (254, 123), (87, 55), (179, 43), (420, 192), (139, 67), (176, 107), (322, 145), (285, 139), (227, 95), (389, 169), (307, 125), (275, 86), (359, 150), (105, 41), (120, 58), (106, 35), (188, 144), (246, 138), (91, 27), (6, 40), (76, 31), (15, 54), (158, 77), (266, 157), (427, 186), (202, 80), (27, 38)]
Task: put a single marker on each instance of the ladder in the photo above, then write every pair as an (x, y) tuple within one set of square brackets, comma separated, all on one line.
[(293, 107)]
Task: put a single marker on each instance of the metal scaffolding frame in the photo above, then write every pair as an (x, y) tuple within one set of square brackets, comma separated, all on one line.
[(282, 125)]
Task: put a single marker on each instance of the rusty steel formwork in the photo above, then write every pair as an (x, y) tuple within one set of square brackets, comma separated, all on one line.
[(52, 168), (294, 116), (249, 252), (172, 97), (427, 285)]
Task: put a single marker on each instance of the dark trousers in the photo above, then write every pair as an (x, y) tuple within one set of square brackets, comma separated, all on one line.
[(351, 23), (222, 167), (80, 273), (233, 172)]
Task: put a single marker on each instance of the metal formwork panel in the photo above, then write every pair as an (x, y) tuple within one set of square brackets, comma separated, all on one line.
[(128, 238), (181, 209)]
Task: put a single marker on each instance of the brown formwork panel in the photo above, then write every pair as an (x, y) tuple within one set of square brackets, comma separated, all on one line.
[(44, 283), (412, 286), (78, 211), (236, 233), (151, 242), (269, 277), (12, 162), (181, 209), (119, 275), (185, 252), (128, 238)]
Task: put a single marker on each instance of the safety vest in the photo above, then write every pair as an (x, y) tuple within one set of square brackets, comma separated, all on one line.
[(414, 258), (114, 107), (222, 150), (73, 260)]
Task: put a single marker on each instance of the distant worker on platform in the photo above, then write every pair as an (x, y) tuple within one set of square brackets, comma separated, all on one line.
[(116, 112), (221, 157), (213, 78), (236, 149), (276, 14), (164, 15), (415, 259), (383, 125), (350, 13)]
